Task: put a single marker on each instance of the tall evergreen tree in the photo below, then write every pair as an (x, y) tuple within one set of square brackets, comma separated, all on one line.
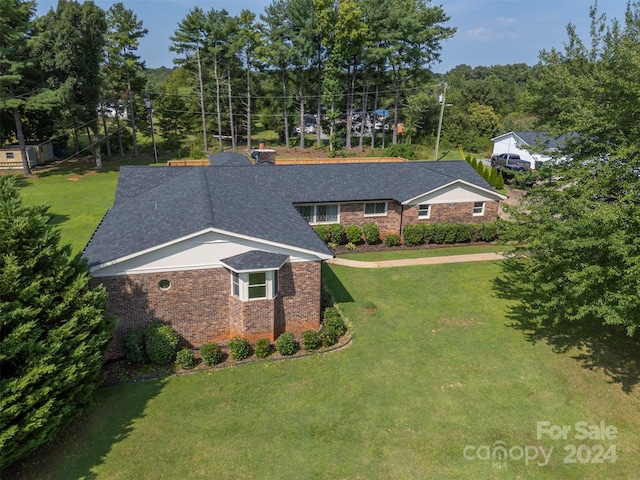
[(53, 329)]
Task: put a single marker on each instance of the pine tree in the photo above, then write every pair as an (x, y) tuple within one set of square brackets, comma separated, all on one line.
[(493, 177), (53, 329), (499, 181)]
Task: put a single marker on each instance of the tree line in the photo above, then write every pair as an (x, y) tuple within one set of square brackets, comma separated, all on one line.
[(361, 68)]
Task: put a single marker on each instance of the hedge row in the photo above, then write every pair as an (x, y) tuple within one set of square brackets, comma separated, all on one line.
[(447, 233), (338, 234), (332, 328)]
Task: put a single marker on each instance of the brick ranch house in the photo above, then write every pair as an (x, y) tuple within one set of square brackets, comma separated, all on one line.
[(220, 251)]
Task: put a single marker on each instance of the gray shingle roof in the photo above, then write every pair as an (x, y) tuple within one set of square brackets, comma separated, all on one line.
[(157, 205), (255, 260), (228, 159)]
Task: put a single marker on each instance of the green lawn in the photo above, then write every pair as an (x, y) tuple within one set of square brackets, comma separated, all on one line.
[(434, 370), (79, 195)]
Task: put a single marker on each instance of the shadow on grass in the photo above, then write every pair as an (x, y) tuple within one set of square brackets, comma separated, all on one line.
[(598, 346), (85, 443), (334, 284)]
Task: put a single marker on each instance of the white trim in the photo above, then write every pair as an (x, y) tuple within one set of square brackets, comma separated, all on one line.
[(271, 283), (481, 213), (315, 212), (318, 255), (386, 209), (428, 215), (490, 193)]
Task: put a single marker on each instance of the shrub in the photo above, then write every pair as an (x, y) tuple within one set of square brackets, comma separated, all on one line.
[(371, 233), (475, 232), (439, 233), (160, 343), (286, 344), (337, 324), (329, 313), (489, 231), (311, 340), (263, 348), (323, 232), (336, 232), (413, 235), (350, 246), (428, 232), (211, 353), (392, 240), (499, 181), (463, 233), (134, 346), (239, 348), (450, 230), (328, 335), (354, 234), (186, 359)]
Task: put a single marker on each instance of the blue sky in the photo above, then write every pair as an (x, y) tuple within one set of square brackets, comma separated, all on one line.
[(490, 32)]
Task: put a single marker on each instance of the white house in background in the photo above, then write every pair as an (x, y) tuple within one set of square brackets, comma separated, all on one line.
[(535, 147)]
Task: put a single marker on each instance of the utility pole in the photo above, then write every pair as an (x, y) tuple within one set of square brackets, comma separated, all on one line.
[(147, 103), (443, 99)]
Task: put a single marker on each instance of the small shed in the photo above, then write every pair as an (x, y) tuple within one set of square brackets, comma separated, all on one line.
[(38, 153)]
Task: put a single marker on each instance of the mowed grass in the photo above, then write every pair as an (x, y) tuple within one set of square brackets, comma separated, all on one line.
[(434, 367), (77, 193)]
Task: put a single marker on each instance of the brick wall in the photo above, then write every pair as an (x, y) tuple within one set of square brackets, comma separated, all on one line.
[(300, 290), (353, 214), (452, 212), (199, 306)]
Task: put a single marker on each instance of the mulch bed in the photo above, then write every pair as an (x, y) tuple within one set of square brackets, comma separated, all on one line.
[(364, 248), (121, 371)]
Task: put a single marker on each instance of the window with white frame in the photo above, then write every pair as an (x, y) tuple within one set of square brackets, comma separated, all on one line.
[(254, 285), (375, 209), (424, 211), (321, 213), (478, 208)]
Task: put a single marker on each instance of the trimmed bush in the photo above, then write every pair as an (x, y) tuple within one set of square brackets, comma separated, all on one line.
[(328, 335), (263, 348), (499, 181), (439, 233), (286, 344), (239, 348), (311, 340), (186, 359), (160, 343), (337, 324), (323, 232), (134, 346), (463, 233), (354, 234), (428, 232), (450, 232), (371, 233), (489, 231), (329, 313), (413, 235), (392, 240), (475, 232), (211, 353), (336, 233)]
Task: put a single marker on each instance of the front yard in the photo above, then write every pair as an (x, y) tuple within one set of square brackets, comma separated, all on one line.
[(436, 377)]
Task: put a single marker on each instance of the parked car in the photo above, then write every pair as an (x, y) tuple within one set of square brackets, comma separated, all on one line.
[(510, 161)]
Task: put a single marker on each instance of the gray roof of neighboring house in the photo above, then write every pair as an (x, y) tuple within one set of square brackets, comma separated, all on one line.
[(535, 138), (255, 260), (157, 205)]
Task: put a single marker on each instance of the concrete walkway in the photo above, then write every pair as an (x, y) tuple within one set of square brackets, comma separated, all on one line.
[(474, 257)]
